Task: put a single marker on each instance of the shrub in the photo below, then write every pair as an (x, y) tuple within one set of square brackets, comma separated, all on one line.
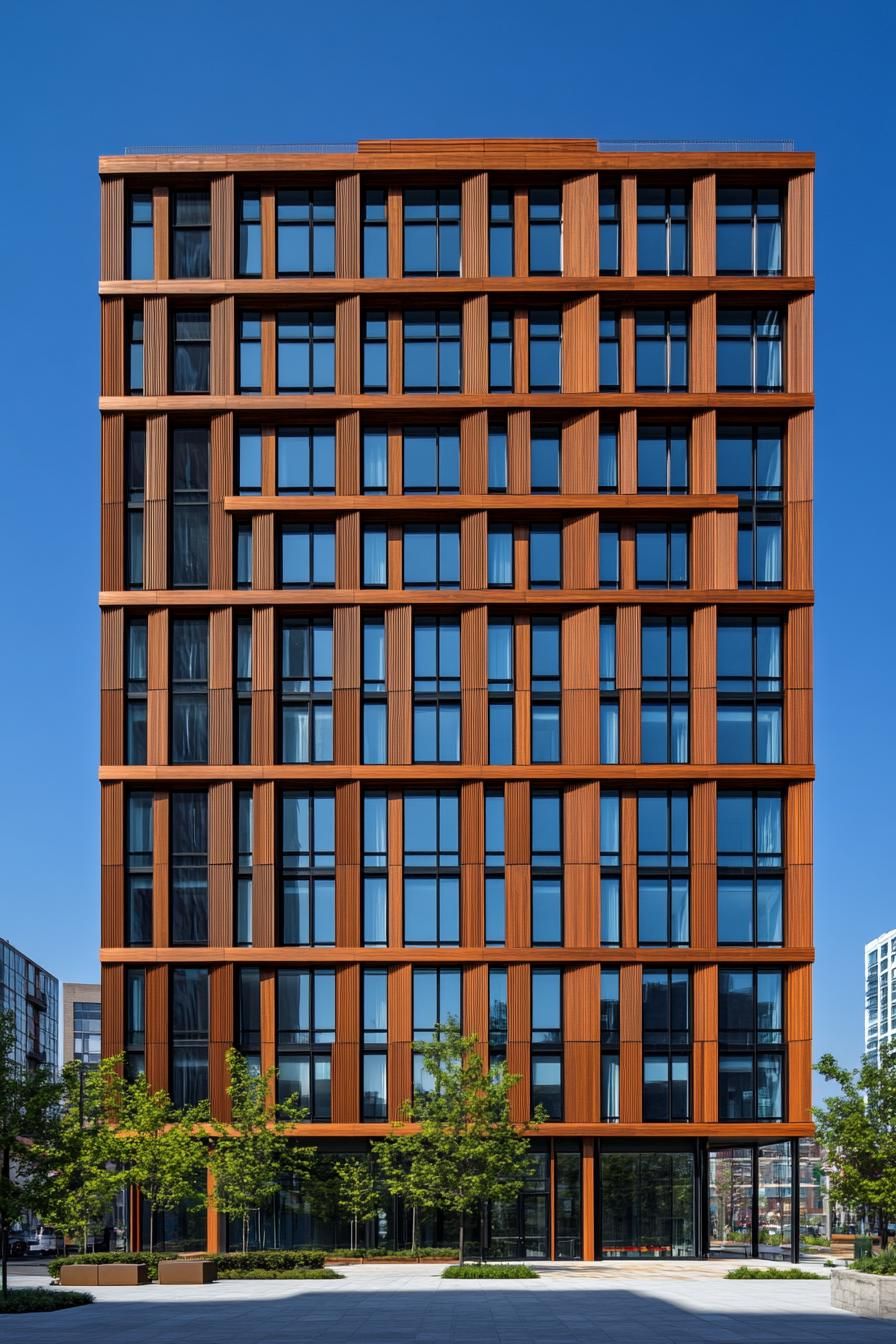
[(378, 1252), (489, 1272), (747, 1272), (815, 1241), (267, 1260), (885, 1263), (148, 1258), (279, 1274), (41, 1299)]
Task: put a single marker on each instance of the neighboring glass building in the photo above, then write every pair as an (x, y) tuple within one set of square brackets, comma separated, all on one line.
[(31, 994), (880, 992), (456, 624), (81, 1024)]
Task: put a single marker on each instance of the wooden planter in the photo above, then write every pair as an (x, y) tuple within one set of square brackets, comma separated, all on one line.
[(187, 1271), (79, 1276), (122, 1275)]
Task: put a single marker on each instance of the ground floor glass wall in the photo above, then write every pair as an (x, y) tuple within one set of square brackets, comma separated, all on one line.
[(647, 1204)]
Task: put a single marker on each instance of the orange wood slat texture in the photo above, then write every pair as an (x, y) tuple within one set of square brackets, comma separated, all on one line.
[(703, 224), (112, 1010), (221, 1018), (223, 226), (474, 225), (348, 224), (112, 228), (155, 345), (346, 1060), (580, 225), (112, 328)]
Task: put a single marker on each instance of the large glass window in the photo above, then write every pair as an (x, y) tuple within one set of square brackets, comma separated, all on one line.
[(189, 1035), (135, 473), (608, 457), (663, 868), (545, 660), (134, 1022), (134, 363), (431, 869), (306, 351), (547, 868), (374, 728), (242, 894), (248, 461), (662, 231), (136, 684), (189, 868), (249, 353), (432, 350), (749, 225), (647, 1205), (663, 459), (500, 231), (664, 690), (247, 1036), (308, 868), (435, 1003), (374, 233), (609, 697), (306, 231), (375, 832), (608, 224), (138, 874), (191, 347), (609, 1044), (374, 1035), (610, 869), (608, 556), (499, 566), (500, 351), (608, 371), (432, 231), (306, 1031), (374, 556), (545, 230), (749, 687), (545, 460), (661, 555), (547, 1041), (191, 232), (189, 690), (495, 910), (436, 673), (497, 1015), (374, 461), (432, 555), (497, 455), (431, 462), (749, 465), (139, 261), (249, 234), (751, 1045), (661, 350), (666, 1036), (545, 555), (500, 690), (750, 350), (307, 555), (306, 460), (375, 352), (750, 868), (306, 690), (545, 350), (243, 690)]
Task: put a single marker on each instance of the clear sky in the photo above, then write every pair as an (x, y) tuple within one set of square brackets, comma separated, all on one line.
[(80, 80)]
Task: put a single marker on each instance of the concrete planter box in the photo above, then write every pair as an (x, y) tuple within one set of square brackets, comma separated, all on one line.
[(79, 1276), (130, 1276), (864, 1294), (187, 1271)]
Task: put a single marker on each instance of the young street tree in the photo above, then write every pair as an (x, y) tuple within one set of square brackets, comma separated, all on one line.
[(251, 1153), (163, 1148), (357, 1194), (467, 1149), (857, 1131), (28, 1101), (81, 1156), (396, 1161)]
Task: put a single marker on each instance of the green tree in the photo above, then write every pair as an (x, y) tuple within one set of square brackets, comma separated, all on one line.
[(29, 1099), (468, 1150), (163, 1148), (857, 1132), (396, 1159), (358, 1197), (252, 1152), (81, 1156)]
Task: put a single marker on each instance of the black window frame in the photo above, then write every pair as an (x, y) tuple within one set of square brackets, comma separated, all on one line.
[(668, 867), (321, 344), (663, 689), (316, 866), (442, 867), (732, 693), (314, 695), (320, 226), (754, 866), (319, 1039), (183, 343)]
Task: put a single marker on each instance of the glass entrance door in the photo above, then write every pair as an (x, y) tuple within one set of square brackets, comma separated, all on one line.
[(647, 1205)]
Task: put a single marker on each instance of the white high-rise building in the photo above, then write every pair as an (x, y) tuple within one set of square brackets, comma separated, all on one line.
[(880, 1002)]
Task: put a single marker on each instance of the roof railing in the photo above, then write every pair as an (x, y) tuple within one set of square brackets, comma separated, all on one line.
[(242, 149), (604, 146)]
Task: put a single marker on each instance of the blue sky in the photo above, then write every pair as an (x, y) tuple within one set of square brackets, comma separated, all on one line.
[(77, 81)]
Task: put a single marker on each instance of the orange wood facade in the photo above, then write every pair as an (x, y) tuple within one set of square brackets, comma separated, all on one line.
[(580, 293)]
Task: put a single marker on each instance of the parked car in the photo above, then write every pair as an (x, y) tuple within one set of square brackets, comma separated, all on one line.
[(45, 1242), (18, 1245)]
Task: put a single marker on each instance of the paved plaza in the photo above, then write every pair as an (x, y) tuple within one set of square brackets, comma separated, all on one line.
[(690, 1303)]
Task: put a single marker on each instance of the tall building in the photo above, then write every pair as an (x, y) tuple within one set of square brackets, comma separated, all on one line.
[(31, 994), (456, 655), (880, 962), (81, 1023)]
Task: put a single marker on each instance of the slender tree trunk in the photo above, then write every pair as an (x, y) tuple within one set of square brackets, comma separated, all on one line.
[(4, 1231), (883, 1224), (460, 1248), (152, 1227), (413, 1229)]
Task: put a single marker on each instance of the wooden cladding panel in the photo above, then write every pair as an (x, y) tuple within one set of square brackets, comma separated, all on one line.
[(798, 345), (521, 350), (798, 833), (518, 453), (474, 226), (157, 1027), (798, 485), (263, 655), (798, 744), (223, 347), (798, 545), (519, 1023), (112, 323), (475, 1007), (348, 453), (703, 686), (798, 1032), (348, 550), (579, 551), (580, 722), (472, 880), (475, 344), (160, 234), (155, 345), (703, 344), (627, 350), (628, 452), (263, 551), (112, 1010), (112, 832), (398, 682), (348, 225), (704, 921), (705, 993), (263, 871), (220, 522), (630, 1052), (112, 558), (703, 453), (348, 345), (111, 686), (157, 688), (703, 224), (521, 232), (221, 1019), (579, 455), (223, 226), (473, 542), (268, 997), (580, 328), (474, 453), (799, 232), (628, 224), (398, 1067), (220, 868), (394, 224), (346, 1061), (581, 1032), (581, 916), (395, 353), (112, 228), (474, 695), (580, 225)]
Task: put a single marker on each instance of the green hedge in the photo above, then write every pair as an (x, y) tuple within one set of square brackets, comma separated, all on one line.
[(489, 1272), (267, 1260), (746, 1272), (279, 1274), (41, 1299), (379, 1252), (885, 1263), (148, 1258)]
